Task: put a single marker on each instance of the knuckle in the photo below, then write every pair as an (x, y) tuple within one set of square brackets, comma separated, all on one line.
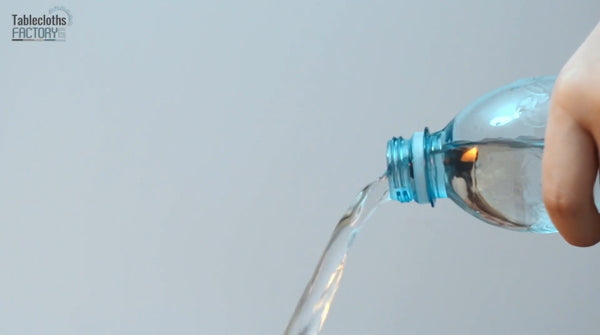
[(576, 92), (559, 205), (565, 213), (579, 240), (569, 87)]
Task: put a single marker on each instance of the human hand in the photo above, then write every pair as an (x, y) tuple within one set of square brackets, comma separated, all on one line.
[(570, 161)]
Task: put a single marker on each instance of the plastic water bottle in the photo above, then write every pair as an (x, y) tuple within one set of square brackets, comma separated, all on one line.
[(487, 160)]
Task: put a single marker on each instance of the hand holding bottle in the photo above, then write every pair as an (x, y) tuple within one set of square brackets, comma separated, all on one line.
[(572, 141)]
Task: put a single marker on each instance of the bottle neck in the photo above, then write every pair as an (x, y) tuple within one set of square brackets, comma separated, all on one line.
[(415, 168)]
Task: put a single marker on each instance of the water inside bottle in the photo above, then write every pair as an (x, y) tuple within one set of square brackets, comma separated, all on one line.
[(500, 181), (315, 303)]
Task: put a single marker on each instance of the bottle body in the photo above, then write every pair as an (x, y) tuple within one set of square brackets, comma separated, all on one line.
[(487, 160)]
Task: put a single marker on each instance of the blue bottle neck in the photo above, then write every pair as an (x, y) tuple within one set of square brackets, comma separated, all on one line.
[(415, 168)]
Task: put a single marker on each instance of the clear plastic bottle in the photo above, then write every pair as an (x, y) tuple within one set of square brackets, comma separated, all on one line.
[(487, 160)]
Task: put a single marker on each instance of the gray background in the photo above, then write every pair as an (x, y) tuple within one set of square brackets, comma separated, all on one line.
[(177, 168)]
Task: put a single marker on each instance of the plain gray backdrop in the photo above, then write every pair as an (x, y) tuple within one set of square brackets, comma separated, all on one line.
[(176, 167)]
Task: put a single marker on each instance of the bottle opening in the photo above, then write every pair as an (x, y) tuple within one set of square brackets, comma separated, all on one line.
[(412, 171), (399, 169)]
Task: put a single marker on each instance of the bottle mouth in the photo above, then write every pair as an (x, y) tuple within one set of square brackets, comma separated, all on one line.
[(399, 169), (407, 168)]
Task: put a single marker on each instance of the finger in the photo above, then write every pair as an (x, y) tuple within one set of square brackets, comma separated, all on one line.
[(570, 165)]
